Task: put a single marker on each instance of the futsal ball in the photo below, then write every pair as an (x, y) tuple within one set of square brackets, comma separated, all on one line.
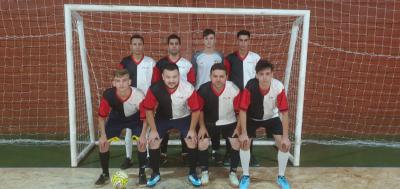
[(119, 179)]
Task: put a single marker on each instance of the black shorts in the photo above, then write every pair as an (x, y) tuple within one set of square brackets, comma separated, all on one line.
[(272, 126), (225, 130), (182, 124), (114, 127)]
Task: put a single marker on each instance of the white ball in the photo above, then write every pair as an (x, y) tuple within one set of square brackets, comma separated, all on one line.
[(119, 179)]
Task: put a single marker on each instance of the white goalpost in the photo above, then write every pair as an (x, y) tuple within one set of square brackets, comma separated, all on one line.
[(93, 47)]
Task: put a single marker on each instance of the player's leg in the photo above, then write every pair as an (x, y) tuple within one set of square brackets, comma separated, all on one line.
[(274, 126), (227, 132), (203, 158), (245, 154), (141, 154), (228, 149), (215, 144), (128, 148), (162, 127), (104, 153), (164, 149)]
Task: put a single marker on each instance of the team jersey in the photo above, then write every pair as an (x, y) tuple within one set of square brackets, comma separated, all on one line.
[(202, 63), (114, 107), (263, 105), (241, 69), (186, 69), (140, 71), (219, 108), (173, 104)]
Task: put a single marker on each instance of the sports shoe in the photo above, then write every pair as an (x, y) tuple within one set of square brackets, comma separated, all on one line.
[(142, 180), (163, 158), (126, 164), (194, 180), (233, 180), (244, 182), (253, 161), (102, 180), (153, 180), (204, 178), (282, 182)]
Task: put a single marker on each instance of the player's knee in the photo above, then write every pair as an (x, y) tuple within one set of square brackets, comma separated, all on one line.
[(203, 144), (141, 148), (235, 144), (154, 144), (190, 144)]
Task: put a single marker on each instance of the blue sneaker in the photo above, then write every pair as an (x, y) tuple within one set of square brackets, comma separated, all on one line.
[(244, 182), (282, 182), (153, 180), (196, 182)]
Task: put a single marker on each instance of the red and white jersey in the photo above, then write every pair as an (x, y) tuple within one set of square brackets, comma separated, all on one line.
[(241, 69), (186, 69), (263, 105), (219, 108), (174, 104), (115, 107), (140, 71)]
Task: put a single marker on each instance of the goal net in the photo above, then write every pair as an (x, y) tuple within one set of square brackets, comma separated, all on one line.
[(98, 37)]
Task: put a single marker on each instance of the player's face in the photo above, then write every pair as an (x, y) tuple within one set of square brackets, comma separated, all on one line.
[(173, 47), (209, 41), (265, 76), (137, 46), (122, 83), (244, 42), (218, 78), (171, 78)]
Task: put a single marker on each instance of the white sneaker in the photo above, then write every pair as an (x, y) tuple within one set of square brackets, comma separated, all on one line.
[(204, 178), (233, 180)]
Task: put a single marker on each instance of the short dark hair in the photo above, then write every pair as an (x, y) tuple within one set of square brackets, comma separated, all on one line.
[(264, 64), (243, 32), (173, 36), (137, 36), (208, 31), (171, 67), (120, 72), (218, 66)]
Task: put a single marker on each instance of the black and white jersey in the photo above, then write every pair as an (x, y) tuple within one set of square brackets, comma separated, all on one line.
[(203, 63), (241, 69), (263, 105), (114, 107), (140, 71), (219, 108), (186, 69), (171, 104)]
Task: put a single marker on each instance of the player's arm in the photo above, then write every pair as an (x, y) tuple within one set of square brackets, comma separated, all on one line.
[(283, 107), (244, 105), (203, 130), (194, 105), (104, 110), (149, 104)]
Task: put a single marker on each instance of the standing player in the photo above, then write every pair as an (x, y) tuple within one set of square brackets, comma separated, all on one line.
[(120, 107), (219, 100), (176, 106), (187, 73), (140, 69), (202, 61), (241, 68), (264, 104)]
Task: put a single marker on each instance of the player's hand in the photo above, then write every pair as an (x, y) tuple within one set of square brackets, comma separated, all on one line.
[(202, 133), (236, 133), (285, 144), (192, 135), (142, 140), (103, 142), (244, 140), (153, 136)]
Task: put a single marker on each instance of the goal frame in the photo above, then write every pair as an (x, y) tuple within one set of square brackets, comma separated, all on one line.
[(70, 11)]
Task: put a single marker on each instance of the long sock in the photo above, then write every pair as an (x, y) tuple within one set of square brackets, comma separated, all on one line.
[(235, 158), (203, 160), (128, 143), (228, 146), (104, 159), (282, 162), (142, 161), (245, 160), (184, 146), (164, 144), (192, 157), (155, 160)]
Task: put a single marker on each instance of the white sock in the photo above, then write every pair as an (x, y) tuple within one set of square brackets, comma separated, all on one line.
[(282, 162), (128, 143), (245, 160)]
